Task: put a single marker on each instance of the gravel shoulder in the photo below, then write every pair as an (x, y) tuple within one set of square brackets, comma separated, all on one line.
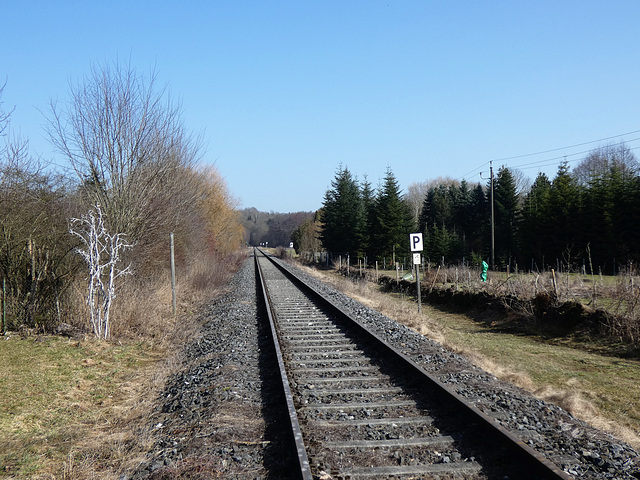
[(218, 415)]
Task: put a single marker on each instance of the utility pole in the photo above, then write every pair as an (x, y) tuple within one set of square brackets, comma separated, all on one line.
[(493, 241)]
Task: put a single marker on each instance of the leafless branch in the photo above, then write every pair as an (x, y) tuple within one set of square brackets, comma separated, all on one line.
[(101, 251)]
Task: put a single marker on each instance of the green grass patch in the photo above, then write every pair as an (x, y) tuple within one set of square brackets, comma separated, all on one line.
[(598, 388), (54, 391)]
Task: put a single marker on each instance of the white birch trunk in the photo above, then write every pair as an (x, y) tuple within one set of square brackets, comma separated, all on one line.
[(102, 251)]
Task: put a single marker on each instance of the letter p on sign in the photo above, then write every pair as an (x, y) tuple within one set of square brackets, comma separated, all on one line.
[(415, 239)]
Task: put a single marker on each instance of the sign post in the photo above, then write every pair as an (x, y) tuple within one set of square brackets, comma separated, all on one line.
[(415, 240)]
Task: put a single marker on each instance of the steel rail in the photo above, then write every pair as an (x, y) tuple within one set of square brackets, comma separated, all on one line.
[(303, 460), (534, 463)]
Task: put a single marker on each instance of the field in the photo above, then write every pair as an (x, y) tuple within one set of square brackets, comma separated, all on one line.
[(67, 405), (603, 304)]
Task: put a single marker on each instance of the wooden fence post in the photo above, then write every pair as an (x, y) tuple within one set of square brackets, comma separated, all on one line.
[(4, 306), (173, 276)]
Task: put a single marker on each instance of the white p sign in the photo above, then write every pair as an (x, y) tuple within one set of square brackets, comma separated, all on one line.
[(415, 239)]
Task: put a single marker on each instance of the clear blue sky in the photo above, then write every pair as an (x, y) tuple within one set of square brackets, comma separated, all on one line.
[(286, 91)]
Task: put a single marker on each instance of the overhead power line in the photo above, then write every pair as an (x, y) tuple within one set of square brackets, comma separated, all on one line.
[(564, 148), (541, 163), (552, 161)]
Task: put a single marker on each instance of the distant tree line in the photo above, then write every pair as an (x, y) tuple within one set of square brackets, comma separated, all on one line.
[(270, 228), (584, 218), (587, 216)]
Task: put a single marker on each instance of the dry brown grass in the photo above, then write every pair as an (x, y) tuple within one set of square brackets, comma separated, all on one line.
[(79, 408), (68, 412), (118, 437), (618, 295)]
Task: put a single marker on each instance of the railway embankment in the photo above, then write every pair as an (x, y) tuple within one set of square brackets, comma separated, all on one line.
[(212, 416), (542, 314)]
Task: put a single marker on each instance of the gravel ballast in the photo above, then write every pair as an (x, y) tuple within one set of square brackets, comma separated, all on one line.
[(220, 415)]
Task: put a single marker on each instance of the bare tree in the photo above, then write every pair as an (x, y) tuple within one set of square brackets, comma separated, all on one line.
[(125, 140), (34, 243), (601, 160), (418, 190), (523, 183), (415, 198), (218, 208), (4, 116), (102, 253)]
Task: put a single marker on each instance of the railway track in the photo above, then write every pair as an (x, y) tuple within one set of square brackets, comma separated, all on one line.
[(361, 409)]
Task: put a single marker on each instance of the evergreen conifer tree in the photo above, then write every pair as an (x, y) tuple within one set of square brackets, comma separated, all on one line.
[(394, 220), (507, 213), (367, 194), (534, 235), (563, 216), (342, 217), (478, 237)]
